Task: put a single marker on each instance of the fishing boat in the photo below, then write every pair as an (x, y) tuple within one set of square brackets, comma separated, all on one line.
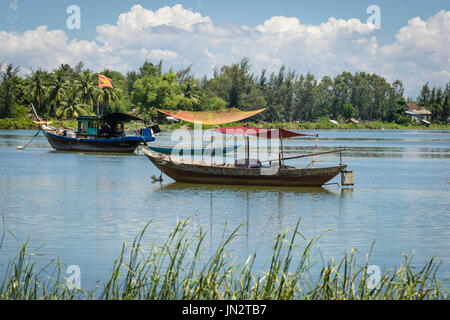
[(246, 171), (182, 170), (98, 134), (192, 151)]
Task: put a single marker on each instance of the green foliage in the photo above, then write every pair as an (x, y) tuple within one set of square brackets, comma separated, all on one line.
[(17, 123), (19, 111), (9, 90), (37, 90), (71, 107), (403, 120), (348, 111), (155, 91), (289, 97)]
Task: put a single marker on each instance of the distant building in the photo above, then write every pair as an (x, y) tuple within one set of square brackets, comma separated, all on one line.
[(417, 113), (352, 120), (334, 122)]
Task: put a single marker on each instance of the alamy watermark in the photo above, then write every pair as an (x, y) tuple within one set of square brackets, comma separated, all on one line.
[(74, 20), (374, 19), (373, 281), (73, 281)]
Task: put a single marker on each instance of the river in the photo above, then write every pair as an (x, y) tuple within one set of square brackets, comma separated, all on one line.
[(82, 207)]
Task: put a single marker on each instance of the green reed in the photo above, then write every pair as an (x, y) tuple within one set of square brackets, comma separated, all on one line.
[(180, 269)]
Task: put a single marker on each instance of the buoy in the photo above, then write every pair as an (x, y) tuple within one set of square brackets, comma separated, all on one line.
[(21, 147), (347, 178)]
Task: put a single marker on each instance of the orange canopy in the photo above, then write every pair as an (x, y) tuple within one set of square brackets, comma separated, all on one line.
[(211, 117)]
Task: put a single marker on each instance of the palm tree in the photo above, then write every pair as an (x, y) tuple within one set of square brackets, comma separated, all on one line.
[(86, 88), (71, 106), (57, 90), (37, 90), (8, 89), (189, 98), (105, 96)]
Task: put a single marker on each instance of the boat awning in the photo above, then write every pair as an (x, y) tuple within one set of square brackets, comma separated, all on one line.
[(118, 116), (211, 117), (263, 133)]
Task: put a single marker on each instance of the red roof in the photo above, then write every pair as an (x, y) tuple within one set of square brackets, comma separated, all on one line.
[(264, 133), (413, 106)]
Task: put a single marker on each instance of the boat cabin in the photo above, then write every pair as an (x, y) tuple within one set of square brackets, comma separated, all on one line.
[(109, 126), (88, 126)]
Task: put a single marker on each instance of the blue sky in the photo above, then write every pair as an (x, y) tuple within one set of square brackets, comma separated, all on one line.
[(394, 13), (234, 29)]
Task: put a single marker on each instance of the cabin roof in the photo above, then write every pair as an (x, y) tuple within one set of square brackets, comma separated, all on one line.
[(89, 118), (118, 116)]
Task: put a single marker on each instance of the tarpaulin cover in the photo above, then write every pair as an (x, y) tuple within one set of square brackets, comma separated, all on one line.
[(211, 117), (263, 133)]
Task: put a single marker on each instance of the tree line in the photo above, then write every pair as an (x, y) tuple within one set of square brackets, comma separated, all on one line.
[(289, 96)]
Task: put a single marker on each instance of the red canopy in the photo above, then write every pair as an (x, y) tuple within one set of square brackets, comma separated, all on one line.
[(264, 133)]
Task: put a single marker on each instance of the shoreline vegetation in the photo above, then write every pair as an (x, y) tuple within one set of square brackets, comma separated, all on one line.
[(179, 269), (28, 124), (292, 99)]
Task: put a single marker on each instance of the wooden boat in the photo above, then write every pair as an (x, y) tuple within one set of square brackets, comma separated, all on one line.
[(192, 151), (97, 134), (183, 170), (246, 172)]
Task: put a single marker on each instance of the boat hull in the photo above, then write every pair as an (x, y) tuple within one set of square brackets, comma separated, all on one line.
[(230, 175), (125, 144)]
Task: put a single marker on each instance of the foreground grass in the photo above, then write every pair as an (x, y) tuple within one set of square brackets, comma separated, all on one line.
[(179, 269)]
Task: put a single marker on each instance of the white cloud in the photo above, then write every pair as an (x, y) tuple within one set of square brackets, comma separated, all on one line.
[(45, 49), (181, 37)]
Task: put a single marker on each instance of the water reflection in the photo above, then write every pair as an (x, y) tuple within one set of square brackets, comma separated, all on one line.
[(188, 187), (260, 208)]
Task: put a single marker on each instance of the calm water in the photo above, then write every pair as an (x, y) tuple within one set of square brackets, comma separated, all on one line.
[(82, 207)]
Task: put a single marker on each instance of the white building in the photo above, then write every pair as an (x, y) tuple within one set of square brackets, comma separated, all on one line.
[(418, 114)]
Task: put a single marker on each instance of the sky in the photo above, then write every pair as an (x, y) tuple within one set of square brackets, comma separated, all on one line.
[(402, 39)]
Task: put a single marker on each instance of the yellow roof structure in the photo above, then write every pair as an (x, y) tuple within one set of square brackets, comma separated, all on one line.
[(211, 117)]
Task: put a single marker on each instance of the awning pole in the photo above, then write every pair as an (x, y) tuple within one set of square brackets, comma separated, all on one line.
[(282, 151), (212, 146), (315, 151), (248, 151)]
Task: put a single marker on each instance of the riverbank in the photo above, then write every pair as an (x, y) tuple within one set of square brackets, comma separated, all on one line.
[(180, 270), (28, 124), (323, 125)]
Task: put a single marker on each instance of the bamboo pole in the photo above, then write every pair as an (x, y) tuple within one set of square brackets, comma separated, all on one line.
[(247, 162), (212, 146), (308, 155), (315, 151)]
